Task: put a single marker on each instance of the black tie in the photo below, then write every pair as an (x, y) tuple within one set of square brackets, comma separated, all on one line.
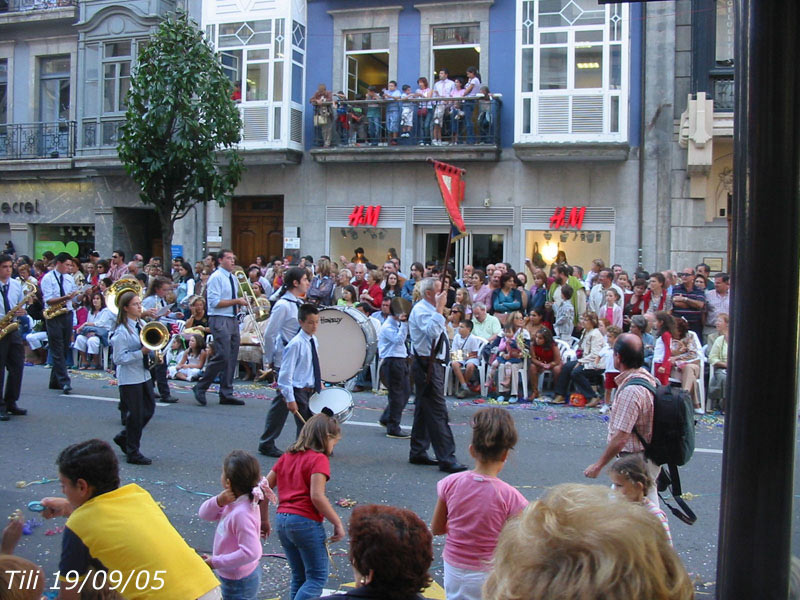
[(144, 358), (315, 366), (6, 305), (60, 284), (233, 292)]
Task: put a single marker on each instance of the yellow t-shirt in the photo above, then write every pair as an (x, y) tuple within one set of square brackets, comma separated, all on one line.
[(129, 533)]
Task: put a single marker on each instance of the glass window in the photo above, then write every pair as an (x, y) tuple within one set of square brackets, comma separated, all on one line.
[(277, 86), (116, 83), (589, 67), (553, 69), (54, 89), (725, 32), (3, 91), (374, 241), (118, 49), (367, 40), (457, 35), (257, 81), (245, 33), (91, 78), (580, 247)]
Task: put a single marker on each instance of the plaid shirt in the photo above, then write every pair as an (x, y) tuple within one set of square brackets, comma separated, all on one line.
[(633, 406)]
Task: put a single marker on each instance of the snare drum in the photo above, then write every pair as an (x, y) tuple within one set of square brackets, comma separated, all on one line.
[(337, 399), (347, 343)]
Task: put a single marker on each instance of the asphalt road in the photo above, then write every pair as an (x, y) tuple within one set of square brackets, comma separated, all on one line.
[(187, 444)]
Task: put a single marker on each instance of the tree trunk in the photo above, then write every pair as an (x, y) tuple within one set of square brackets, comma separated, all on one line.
[(167, 231)]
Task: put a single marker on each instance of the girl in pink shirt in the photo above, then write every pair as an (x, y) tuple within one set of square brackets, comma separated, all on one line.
[(239, 509), (474, 505), (630, 478)]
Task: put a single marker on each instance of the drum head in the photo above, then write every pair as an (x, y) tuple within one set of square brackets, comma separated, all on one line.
[(343, 346), (338, 400)]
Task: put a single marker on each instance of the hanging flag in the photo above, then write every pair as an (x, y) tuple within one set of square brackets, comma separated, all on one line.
[(452, 187)]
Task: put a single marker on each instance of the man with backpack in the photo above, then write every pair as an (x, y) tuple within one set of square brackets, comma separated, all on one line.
[(633, 408)]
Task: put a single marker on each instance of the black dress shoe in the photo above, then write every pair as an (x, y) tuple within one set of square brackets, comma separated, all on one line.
[(453, 467), (139, 459), (423, 460), (169, 400), (16, 410), (66, 389), (398, 434), (273, 452), (122, 441), (199, 396), (231, 401), (4, 415)]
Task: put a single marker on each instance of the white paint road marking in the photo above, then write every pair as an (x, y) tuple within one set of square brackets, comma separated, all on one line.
[(708, 450), (105, 399), (363, 424)]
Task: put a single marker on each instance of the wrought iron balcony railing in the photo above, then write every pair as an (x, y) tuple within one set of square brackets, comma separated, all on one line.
[(7, 6), (37, 140)]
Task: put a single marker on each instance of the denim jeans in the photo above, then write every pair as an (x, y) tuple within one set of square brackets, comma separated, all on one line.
[(245, 588), (303, 540)]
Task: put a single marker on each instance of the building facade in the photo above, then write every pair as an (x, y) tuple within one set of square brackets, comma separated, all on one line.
[(589, 144)]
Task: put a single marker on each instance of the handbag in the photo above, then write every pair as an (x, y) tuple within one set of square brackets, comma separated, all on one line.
[(422, 112)]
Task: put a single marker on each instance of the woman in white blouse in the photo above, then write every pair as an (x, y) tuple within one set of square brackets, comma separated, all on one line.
[(93, 334), (588, 368)]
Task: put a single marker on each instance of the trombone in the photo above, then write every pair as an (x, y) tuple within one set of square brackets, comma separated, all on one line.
[(254, 308)]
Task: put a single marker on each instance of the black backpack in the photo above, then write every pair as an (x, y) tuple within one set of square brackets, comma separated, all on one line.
[(672, 443)]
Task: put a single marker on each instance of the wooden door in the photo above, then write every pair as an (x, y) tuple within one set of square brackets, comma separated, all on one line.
[(257, 228)]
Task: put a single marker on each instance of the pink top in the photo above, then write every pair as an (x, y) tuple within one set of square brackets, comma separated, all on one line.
[(477, 508), (659, 514), (237, 546), (482, 295)]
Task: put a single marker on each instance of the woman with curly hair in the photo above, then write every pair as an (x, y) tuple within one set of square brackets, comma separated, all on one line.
[(391, 550)]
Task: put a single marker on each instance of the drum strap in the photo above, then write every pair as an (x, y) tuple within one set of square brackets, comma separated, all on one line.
[(435, 350)]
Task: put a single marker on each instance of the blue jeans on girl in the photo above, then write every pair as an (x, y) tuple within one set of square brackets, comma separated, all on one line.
[(303, 540), (245, 588)]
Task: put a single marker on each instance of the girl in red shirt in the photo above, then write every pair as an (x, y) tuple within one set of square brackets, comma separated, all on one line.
[(301, 474)]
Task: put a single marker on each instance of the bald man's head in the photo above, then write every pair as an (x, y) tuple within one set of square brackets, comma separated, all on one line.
[(628, 352)]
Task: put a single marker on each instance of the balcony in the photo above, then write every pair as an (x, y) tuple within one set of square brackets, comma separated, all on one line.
[(357, 131), (268, 137), (33, 146), (33, 11)]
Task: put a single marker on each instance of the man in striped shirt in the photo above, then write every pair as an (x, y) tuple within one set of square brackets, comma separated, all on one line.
[(633, 407)]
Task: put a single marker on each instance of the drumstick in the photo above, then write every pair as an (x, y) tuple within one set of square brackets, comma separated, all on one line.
[(300, 417)]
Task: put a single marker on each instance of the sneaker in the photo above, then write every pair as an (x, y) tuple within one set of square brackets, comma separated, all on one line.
[(699, 411), (558, 399), (604, 409), (501, 399), (513, 399), (461, 394)]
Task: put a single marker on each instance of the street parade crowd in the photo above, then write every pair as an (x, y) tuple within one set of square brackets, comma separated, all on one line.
[(598, 338)]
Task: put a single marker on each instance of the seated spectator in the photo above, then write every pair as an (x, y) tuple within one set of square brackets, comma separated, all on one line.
[(478, 290), (391, 550), (575, 543), (464, 352), (93, 333), (192, 361), (587, 369), (610, 373), (485, 325), (372, 294), (197, 314), (539, 317), (463, 298), (545, 356), (507, 363), (349, 296), (100, 513), (684, 357), (453, 320), (718, 358), (342, 281), (173, 355)]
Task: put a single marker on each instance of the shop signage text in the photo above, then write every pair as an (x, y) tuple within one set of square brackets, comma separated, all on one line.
[(19, 208), (364, 215), (572, 220)]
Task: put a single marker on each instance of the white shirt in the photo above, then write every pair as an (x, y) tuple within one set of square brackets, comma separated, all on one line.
[(51, 290), (219, 288), (425, 326), (282, 326), (468, 345), (444, 88), (15, 294), (392, 338), (298, 368), (597, 297)]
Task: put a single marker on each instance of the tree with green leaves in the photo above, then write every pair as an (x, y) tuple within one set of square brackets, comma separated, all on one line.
[(181, 126)]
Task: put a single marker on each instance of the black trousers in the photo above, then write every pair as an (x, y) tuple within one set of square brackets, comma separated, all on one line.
[(140, 404), (276, 418), (431, 427), (59, 337), (394, 373), (159, 373), (12, 360)]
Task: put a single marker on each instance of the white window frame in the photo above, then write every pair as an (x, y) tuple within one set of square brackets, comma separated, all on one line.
[(434, 48), (570, 93), (348, 53)]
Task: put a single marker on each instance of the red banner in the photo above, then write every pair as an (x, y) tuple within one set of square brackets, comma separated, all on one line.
[(452, 187)]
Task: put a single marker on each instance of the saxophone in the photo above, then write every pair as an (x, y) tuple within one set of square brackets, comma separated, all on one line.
[(8, 324), (56, 310)]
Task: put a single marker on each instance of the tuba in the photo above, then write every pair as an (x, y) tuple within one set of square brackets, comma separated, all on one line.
[(254, 308), (8, 323), (116, 289), (155, 337)]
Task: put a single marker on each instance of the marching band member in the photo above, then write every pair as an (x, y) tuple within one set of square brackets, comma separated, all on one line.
[(152, 304), (12, 349), (223, 306), (58, 287), (133, 378), (394, 370), (282, 326)]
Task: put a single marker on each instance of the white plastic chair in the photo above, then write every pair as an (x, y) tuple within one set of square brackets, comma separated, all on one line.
[(700, 387), (450, 380)]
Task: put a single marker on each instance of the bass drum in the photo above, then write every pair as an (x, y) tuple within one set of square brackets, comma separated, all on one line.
[(338, 400), (347, 343)]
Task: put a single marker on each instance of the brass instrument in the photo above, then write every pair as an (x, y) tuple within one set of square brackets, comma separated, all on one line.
[(9, 324), (116, 289), (254, 308), (155, 337)]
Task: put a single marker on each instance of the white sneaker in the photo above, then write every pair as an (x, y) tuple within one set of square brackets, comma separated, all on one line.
[(604, 409)]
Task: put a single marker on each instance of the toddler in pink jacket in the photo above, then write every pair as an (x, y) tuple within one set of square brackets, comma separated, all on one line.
[(239, 509)]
